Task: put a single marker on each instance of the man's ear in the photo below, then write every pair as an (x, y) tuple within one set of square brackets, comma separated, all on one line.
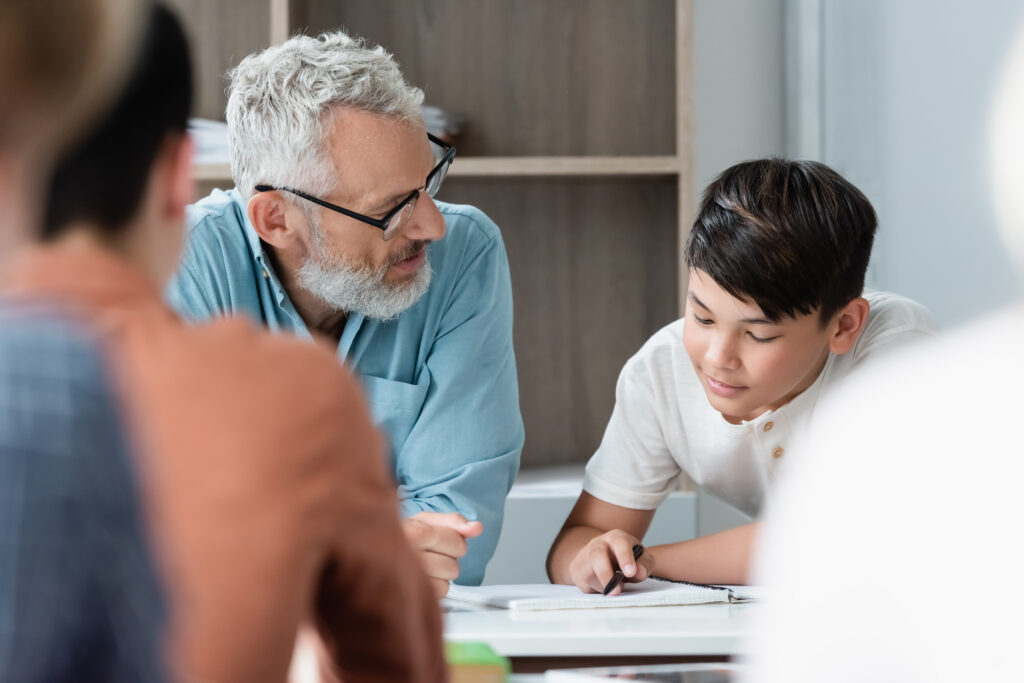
[(272, 218), (847, 325)]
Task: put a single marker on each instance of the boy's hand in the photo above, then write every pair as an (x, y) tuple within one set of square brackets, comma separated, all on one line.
[(596, 562), (440, 540)]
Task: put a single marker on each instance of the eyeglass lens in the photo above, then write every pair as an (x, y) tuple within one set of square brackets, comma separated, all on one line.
[(399, 220), (433, 184), (434, 181)]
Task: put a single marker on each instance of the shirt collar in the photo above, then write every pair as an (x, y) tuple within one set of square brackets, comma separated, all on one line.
[(241, 204), (266, 270), (258, 249)]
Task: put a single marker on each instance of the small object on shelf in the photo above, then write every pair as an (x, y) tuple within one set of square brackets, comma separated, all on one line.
[(211, 140), (443, 124), (475, 663)]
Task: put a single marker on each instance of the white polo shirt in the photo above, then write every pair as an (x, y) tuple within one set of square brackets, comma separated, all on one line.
[(663, 425)]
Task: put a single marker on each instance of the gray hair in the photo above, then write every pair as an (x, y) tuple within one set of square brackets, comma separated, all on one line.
[(280, 100)]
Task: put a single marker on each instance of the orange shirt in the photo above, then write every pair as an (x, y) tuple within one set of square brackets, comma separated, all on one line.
[(268, 497)]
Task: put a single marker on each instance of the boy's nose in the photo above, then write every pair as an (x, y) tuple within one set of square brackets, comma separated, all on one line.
[(721, 353)]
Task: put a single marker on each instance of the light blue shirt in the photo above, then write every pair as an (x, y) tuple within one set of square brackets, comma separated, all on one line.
[(440, 380)]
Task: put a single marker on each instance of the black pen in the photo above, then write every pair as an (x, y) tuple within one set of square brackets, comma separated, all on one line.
[(618, 576)]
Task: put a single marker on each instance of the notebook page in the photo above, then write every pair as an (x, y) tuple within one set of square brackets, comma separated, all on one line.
[(660, 673), (542, 596)]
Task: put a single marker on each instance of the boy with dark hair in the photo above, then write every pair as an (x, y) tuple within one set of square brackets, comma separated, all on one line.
[(775, 317), (263, 477)]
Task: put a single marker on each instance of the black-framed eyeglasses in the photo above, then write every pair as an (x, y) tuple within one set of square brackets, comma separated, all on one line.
[(395, 219)]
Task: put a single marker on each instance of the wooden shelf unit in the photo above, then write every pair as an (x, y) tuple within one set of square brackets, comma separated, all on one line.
[(578, 145), (523, 166)]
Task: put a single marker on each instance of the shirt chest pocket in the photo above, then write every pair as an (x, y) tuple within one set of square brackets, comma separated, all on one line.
[(395, 406)]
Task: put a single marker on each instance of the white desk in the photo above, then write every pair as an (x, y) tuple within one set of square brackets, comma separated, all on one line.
[(579, 637)]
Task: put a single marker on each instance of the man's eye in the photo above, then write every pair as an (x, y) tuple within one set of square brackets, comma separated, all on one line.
[(762, 340)]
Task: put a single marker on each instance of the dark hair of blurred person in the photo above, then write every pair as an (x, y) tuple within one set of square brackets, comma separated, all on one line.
[(102, 180)]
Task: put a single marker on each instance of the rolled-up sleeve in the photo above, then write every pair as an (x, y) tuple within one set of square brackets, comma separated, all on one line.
[(633, 466)]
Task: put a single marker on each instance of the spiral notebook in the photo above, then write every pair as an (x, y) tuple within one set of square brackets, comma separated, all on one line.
[(649, 593), (657, 673)]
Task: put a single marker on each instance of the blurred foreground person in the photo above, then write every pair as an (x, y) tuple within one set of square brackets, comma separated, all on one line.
[(893, 551), (79, 598), (264, 480)]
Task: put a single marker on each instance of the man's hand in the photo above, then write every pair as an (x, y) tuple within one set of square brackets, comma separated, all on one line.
[(596, 562), (440, 540)]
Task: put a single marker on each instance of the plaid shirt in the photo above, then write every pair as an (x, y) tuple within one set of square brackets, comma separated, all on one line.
[(79, 598)]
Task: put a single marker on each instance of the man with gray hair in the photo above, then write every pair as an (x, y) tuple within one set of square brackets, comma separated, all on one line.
[(332, 231)]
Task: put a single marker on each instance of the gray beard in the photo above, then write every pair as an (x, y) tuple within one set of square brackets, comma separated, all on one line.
[(357, 288)]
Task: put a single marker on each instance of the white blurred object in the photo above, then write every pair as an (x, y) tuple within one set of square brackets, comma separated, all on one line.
[(211, 140), (902, 504)]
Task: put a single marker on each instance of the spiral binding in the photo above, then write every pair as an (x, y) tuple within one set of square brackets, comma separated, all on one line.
[(690, 583)]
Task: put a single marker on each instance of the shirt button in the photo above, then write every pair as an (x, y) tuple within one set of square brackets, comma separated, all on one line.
[(778, 452), (768, 426), (266, 275)]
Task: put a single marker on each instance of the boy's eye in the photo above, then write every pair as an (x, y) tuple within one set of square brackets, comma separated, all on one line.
[(702, 321), (762, 340)]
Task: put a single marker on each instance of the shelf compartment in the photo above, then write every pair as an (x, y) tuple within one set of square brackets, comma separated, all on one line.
[(522, 166)]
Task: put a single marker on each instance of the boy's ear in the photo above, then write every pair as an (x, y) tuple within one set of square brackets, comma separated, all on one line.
[(269, 215), (847, 325)]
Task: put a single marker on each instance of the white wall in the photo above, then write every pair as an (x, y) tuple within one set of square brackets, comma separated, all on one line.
[(739, 86), (904, 100)]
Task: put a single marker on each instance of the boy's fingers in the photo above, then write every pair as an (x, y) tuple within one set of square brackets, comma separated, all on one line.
[(645, 566), (622, 550), (603, 570)]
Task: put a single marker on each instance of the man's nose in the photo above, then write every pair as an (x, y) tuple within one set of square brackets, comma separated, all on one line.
[(426, 222)]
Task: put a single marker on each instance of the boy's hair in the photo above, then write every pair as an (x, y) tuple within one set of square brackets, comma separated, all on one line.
[(790, 236), (103, 178)]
